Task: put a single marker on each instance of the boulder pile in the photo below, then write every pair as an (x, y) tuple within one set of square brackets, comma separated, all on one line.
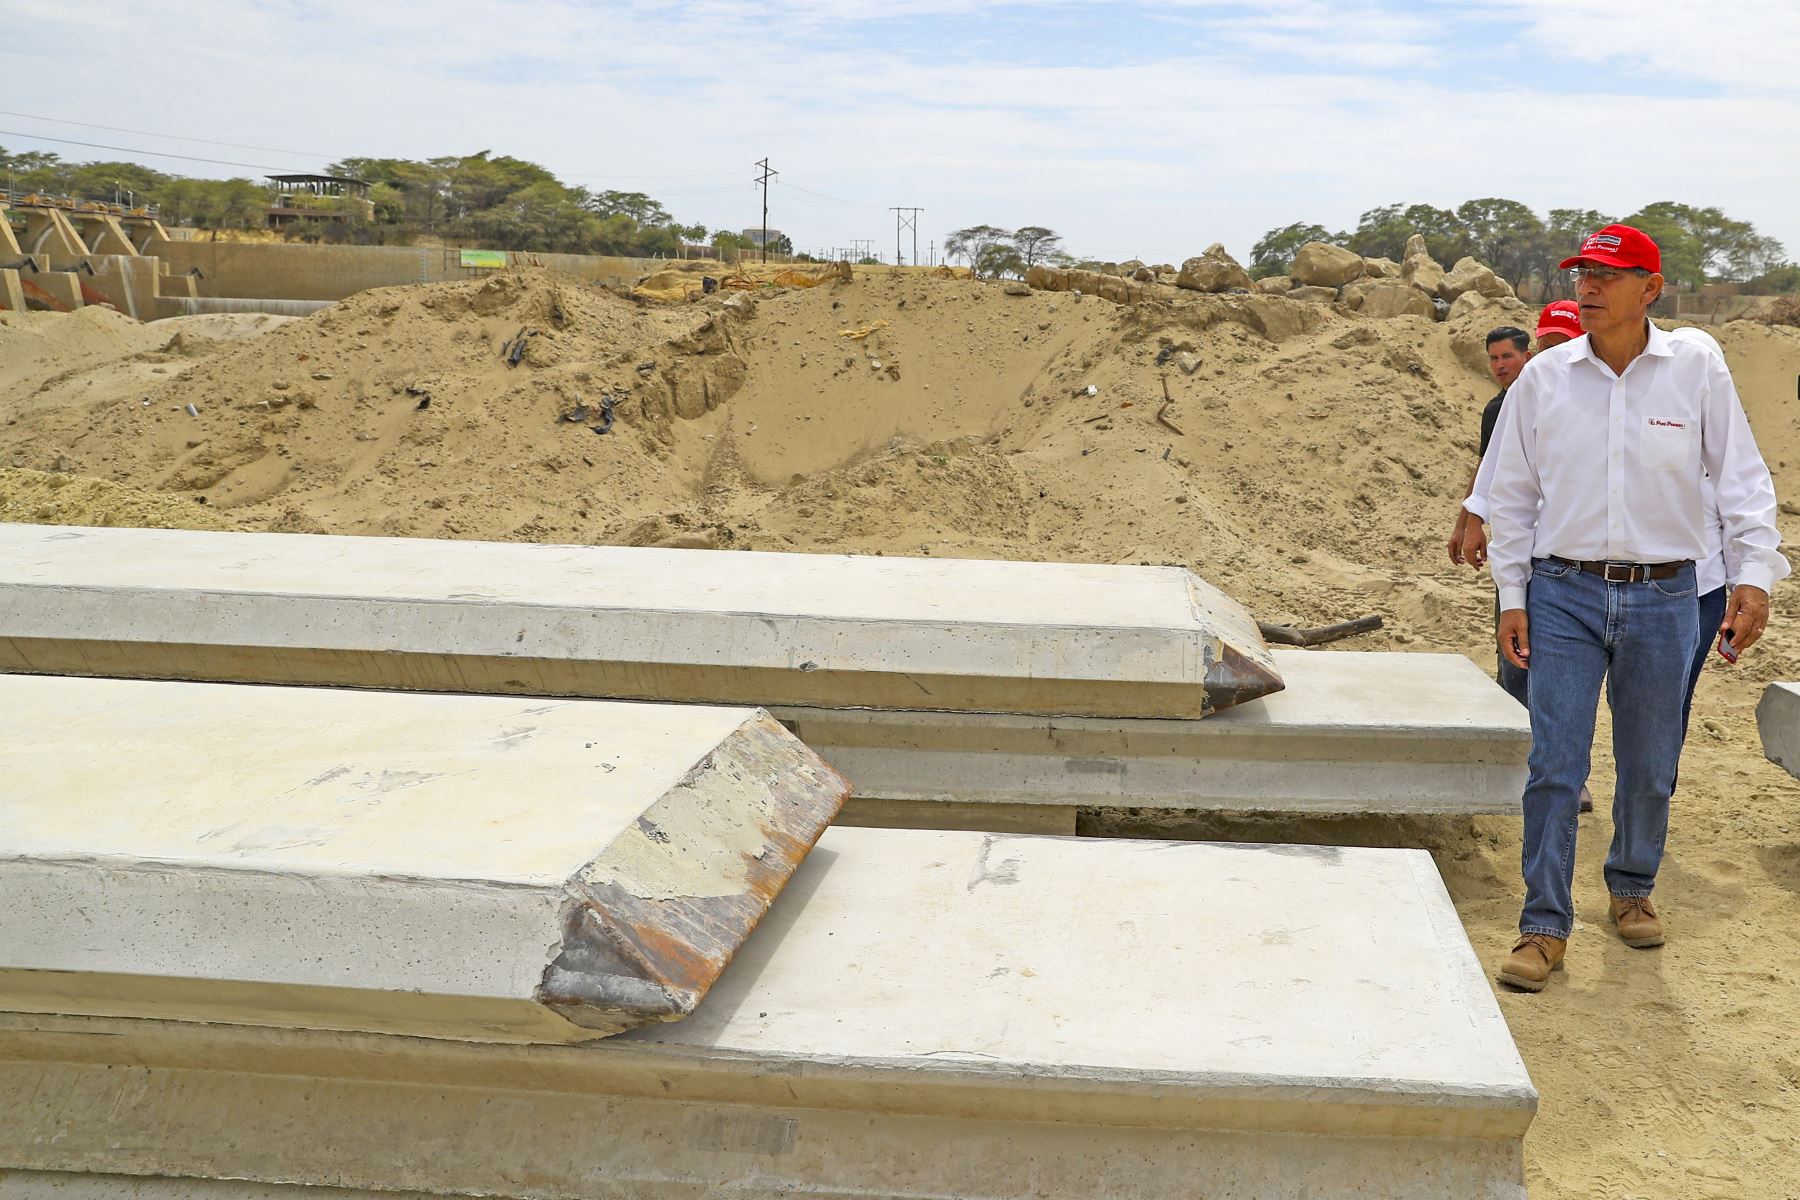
[(1416, 286)]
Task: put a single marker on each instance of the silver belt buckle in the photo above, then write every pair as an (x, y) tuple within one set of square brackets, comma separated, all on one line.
[(1630, 575)]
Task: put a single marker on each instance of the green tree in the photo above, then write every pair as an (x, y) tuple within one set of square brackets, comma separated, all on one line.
[(1683, 256), (640, 208), (997, 259), (1504, 234), (1274, 252), (972, 243), (1035, 244)]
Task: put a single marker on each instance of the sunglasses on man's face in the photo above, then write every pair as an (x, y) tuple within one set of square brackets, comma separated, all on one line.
[(1603, 274)]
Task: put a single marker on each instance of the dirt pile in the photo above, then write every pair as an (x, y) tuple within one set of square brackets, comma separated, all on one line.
[(52, 498), (1303, 457)]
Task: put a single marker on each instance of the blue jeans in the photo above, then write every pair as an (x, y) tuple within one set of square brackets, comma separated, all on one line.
[(1639, 639), (1511, 678), (1712, 612)]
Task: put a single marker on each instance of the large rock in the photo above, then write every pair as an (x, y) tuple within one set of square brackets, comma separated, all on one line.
[(1505, 309), (1469, 328), (1318, 295), (1318, 264), (1214, 270), (1381, 268), (1419, 268), (1471, 276), (1388, 298), (1274, 285)]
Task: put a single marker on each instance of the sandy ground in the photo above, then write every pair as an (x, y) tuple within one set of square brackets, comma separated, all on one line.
[(1305, 460)]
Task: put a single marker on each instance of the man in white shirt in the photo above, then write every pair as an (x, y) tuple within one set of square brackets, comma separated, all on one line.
[(1598, 513)]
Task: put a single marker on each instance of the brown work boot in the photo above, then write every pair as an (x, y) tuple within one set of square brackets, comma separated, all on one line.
[(1531, 961), (1639, 926)]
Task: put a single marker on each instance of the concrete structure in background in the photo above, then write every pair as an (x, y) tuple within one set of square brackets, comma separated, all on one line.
[(278, 271), (1778, 721), (48, 230), (678, 625), (1351, 733), (468, 867), (74, 256), (55, 291), (920, 1014)]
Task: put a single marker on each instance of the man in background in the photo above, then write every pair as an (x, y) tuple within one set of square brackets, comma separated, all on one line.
[(1559, 322), (1508, 350)]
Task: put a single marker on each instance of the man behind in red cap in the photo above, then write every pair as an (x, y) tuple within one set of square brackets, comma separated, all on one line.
[(1598, 509), (1559, 322)]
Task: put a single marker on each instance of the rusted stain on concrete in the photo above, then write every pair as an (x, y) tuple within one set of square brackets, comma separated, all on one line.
[(655, 920), (1234, 678)]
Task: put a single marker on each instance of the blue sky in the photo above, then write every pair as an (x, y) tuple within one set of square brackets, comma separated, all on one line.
[(1137, 129)]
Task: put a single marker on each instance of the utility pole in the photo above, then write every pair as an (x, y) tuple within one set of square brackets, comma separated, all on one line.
[(903, 221), (862, 248), (763, 179), (933, 261)]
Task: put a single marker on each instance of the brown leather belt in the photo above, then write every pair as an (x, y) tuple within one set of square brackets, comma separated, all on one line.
[(1618, 572)]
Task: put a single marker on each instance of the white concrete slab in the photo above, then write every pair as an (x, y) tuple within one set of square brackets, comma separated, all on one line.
[(1351, 733), (923, 1013), (448, 866), (687, 625), (1778, 721)]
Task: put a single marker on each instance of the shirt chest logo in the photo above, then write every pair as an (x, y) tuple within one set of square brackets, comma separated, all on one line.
[(1662, 424)]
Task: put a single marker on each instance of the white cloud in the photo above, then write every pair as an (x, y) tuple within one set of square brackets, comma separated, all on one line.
[(1734, 44), (1220, 126)]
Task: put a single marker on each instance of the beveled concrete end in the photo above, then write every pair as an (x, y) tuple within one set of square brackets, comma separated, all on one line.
[(465, 867)]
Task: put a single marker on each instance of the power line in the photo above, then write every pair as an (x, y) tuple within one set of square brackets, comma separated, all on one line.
[(173, 137), (38, 137), (833, 199)]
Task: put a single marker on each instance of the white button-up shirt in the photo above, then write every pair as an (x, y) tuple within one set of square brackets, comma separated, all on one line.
[(1591, 465), (1709, 572)]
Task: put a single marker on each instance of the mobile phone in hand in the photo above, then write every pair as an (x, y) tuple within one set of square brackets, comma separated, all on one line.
[(1726, 650)]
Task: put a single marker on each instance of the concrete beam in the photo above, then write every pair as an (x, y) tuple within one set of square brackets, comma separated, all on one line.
[(1778, 721), (441, 866), (1351, 733), (921, 1014), (9, 243), (12, 295), (685, 625)]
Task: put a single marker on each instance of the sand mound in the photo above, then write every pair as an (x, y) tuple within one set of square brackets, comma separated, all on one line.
[(48, 498), (1305, 459)]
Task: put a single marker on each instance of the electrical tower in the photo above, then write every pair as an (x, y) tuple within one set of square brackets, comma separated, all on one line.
[(902, 220), (862, 248), (763, 179)]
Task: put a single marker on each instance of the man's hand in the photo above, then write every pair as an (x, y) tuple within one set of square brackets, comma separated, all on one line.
[(1474, 543), (1514, 636), (1746, 616), (1457, 534)]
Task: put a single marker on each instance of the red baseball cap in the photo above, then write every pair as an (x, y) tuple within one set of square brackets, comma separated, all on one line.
[(1560, 316), (1618, 246)]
